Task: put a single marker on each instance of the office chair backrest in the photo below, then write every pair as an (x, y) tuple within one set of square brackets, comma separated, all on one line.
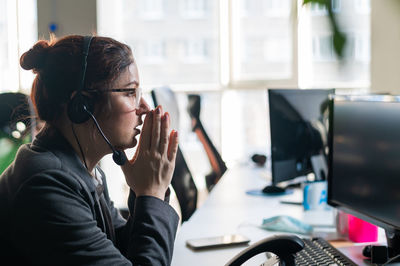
[(14, 107), (182, 180), (217, 164), (15, 125)]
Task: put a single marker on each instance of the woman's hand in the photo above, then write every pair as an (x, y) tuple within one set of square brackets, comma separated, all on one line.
[(151, 169)]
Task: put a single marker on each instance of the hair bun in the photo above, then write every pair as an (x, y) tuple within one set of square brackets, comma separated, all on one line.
[(36, 56)]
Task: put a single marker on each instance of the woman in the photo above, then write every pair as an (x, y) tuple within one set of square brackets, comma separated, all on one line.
[(55, 207)]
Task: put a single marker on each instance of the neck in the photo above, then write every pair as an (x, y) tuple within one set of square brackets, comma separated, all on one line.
[(84, 143)]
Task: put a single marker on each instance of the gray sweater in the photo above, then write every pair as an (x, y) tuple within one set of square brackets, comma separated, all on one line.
[(50, 214)]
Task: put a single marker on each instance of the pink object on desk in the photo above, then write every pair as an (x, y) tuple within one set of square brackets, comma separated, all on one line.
[(362, 231)]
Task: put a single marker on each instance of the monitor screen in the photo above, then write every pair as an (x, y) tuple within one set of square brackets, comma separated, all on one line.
[(364, 162), (299, 121)]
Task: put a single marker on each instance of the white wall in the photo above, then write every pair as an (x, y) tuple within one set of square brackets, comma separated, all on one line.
[(72, 17), (385, 46)]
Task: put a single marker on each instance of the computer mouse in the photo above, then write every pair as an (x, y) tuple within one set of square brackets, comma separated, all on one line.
[(367, 251), (259, 159), (273, 190)]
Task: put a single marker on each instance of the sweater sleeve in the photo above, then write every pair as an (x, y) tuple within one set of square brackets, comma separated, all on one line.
[(54, 224), (153, 223)]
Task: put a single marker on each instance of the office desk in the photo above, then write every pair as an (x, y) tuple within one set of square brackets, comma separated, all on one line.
[(229, 210)]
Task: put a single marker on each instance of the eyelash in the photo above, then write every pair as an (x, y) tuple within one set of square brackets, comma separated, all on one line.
[(131, 93)]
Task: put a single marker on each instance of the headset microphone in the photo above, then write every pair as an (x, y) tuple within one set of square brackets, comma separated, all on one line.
[(119, 157)]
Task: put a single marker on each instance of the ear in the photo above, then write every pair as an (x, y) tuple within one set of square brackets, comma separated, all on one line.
[(80, 107)]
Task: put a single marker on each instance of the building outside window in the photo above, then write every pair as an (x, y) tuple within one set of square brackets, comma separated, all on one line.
[(277, 8), (153, 52), (194, 9), (320, 9), (195, 51), (212, 47), (362, 6), (152, 9), (325, 70), (254, 36)]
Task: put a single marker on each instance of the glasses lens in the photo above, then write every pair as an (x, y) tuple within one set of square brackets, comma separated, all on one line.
[(138, 96)]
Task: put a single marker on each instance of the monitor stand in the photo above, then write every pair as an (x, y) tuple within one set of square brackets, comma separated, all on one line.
[(383, 254), (393, 243)]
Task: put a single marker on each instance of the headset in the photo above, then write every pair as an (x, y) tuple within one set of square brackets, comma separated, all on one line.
[(80, 107)]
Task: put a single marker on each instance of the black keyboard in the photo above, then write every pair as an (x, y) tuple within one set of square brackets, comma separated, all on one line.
[(318, 251)]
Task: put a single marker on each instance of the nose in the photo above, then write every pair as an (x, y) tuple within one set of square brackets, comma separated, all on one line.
[(144, 108)]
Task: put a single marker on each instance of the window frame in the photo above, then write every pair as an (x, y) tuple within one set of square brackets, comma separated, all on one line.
[(227, 65)]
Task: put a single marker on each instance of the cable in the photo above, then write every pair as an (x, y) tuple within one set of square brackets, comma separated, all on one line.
[(391, 260), (79, 145), (119, 156), (98, 127)]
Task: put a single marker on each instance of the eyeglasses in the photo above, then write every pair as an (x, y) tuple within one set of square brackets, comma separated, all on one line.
[(136, 92)]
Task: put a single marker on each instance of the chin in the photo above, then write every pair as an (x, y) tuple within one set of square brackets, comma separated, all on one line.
[(125, 146)]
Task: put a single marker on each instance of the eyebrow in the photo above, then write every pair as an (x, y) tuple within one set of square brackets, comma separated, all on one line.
[(132, 83)]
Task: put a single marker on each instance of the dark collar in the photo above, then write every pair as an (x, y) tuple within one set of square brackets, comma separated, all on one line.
[(51, 139)]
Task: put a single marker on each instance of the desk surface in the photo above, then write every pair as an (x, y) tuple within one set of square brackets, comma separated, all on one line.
[(230, 210)]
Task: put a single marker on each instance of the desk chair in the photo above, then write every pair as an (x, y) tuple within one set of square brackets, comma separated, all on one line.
[(218, 165), (14, 108), (182, 180)]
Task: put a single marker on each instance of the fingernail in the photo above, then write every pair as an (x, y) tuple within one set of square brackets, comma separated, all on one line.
[(158, 111)]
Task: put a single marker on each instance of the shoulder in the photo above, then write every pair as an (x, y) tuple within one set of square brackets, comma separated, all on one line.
[(36, 167)]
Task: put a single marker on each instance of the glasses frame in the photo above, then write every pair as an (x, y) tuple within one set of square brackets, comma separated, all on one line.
[(138, 92)]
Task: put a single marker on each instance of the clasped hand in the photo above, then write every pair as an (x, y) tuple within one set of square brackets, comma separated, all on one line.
[(150, 170)]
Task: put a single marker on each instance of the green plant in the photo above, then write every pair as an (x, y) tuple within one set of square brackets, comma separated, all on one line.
[(339, 38)]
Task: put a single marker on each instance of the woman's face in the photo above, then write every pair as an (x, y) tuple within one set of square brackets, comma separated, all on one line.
[(127, 108)]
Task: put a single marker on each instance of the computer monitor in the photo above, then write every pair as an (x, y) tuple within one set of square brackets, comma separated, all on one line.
[(364, 161), (298, 124)]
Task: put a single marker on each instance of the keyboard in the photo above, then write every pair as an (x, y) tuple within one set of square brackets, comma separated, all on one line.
[(318, 251)]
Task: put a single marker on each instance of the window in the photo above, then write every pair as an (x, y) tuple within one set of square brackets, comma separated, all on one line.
[(362, 47), (172, 50), (362, 6), (152, 9), (194, 9), (211, 46), (195, 51), (255, 40), (277, 8), (323, 48), (202, 45), (18, 32), (320, 9), (153, 52), (272, 48), (316, 42)]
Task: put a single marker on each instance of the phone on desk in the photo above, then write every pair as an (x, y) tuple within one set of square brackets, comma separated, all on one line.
[(216, 242)]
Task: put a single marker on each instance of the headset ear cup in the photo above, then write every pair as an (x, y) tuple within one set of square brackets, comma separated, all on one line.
[(76, 110)]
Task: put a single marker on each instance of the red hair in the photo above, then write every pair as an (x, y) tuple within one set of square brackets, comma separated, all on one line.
[(57, 65)]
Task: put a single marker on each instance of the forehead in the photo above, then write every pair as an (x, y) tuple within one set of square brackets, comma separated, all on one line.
[(127, 77)]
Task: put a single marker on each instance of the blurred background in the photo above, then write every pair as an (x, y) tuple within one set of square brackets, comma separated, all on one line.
[(227, 51)]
